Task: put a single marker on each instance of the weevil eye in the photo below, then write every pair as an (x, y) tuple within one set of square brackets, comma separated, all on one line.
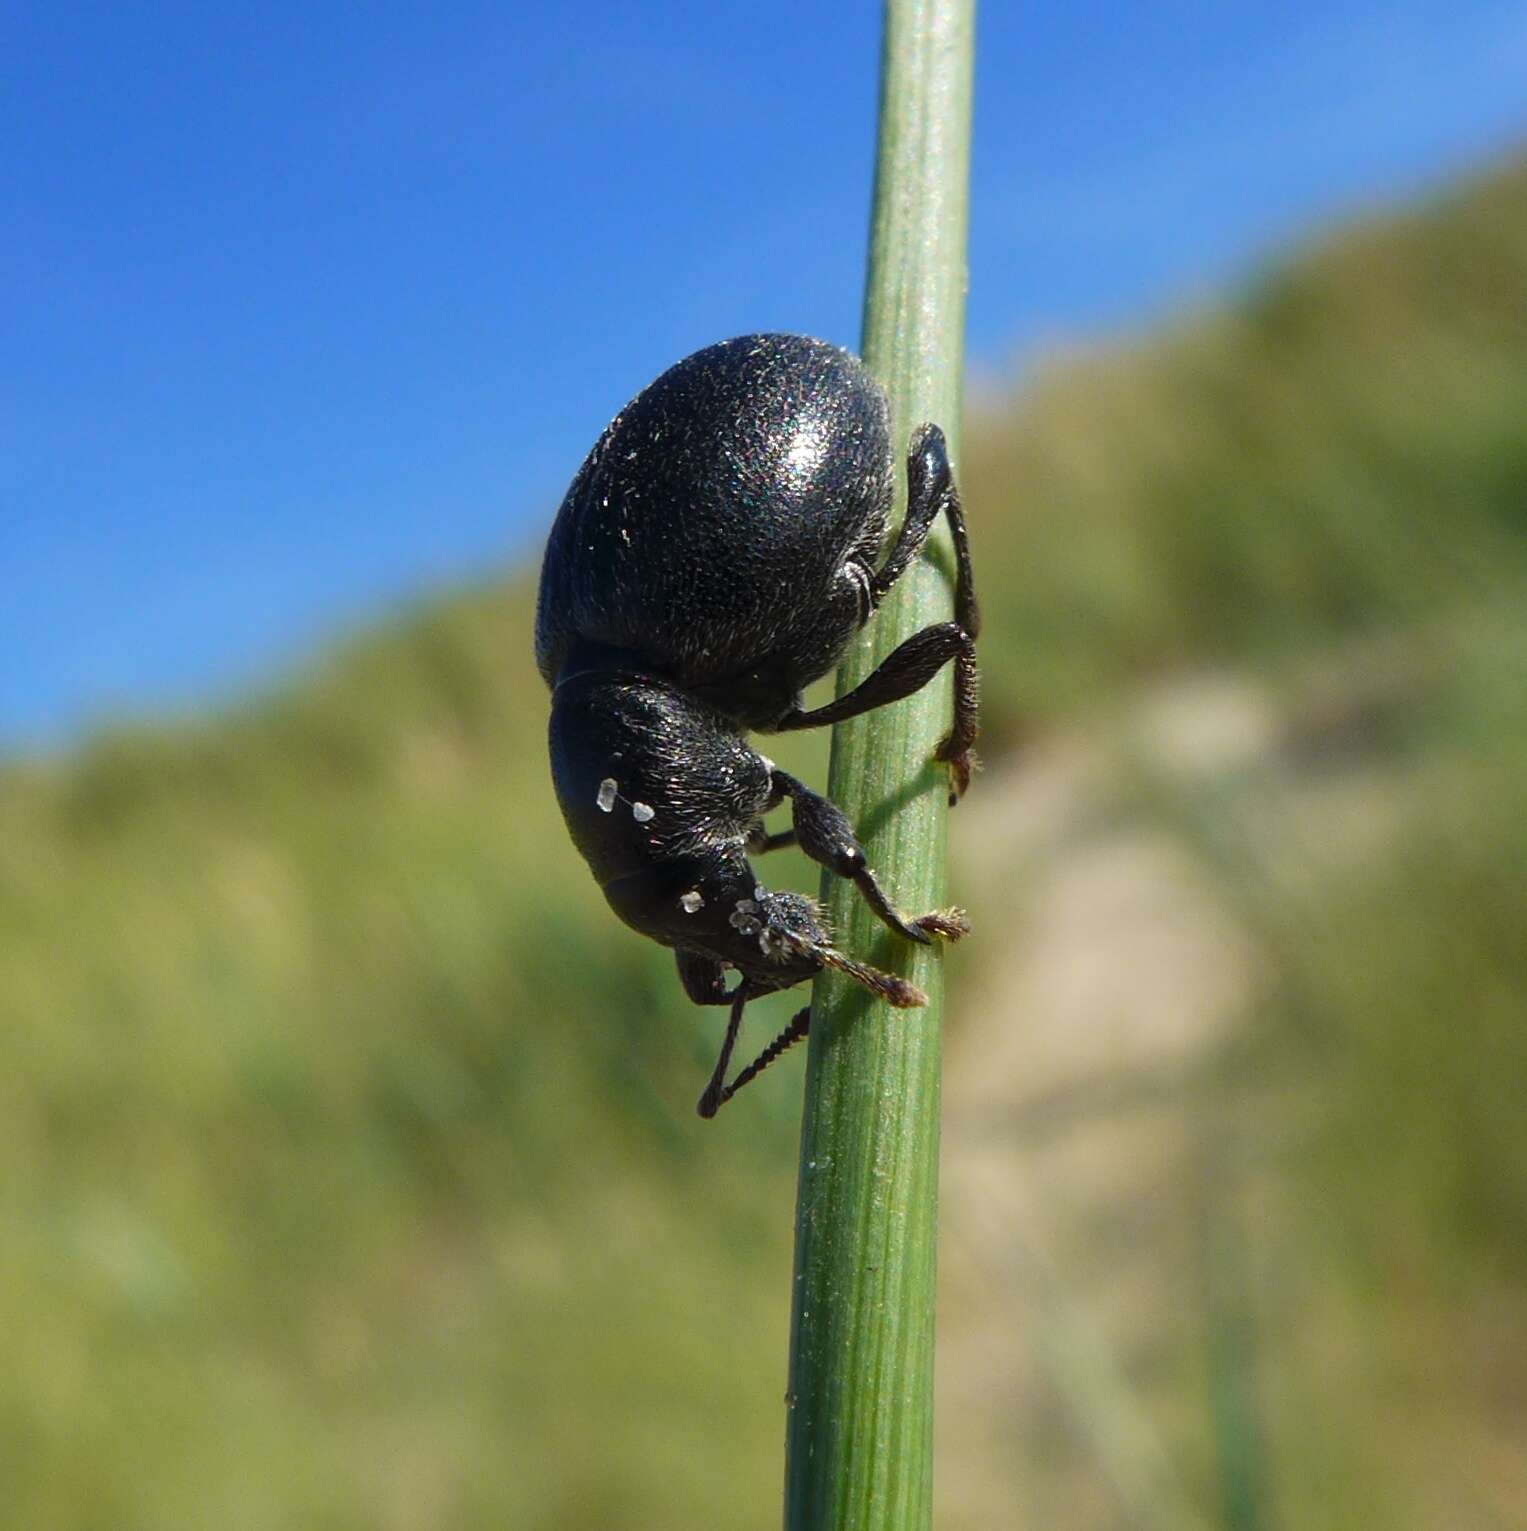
[(792, 925)]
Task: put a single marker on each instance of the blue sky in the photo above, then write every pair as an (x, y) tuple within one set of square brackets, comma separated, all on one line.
[(307, 308)]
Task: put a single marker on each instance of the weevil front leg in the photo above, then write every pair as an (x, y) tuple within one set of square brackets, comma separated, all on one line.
[(715, 1089), (800, 1026), (704, 981), (704, 978)]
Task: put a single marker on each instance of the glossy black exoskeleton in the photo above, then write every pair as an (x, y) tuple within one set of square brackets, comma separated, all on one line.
[(714, 555)]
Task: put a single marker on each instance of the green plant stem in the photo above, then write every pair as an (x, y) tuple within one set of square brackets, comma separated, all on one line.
[(860, 1424)]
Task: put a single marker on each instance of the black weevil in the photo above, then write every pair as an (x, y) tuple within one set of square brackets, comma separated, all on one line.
[(713, 556)]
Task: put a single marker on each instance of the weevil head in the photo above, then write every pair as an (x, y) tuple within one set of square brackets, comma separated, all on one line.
[(784, 937)]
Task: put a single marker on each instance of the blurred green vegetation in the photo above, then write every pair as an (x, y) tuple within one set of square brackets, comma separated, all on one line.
[(351, 1171)]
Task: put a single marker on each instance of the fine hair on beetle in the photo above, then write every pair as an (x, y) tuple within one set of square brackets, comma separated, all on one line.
[(714, 555)]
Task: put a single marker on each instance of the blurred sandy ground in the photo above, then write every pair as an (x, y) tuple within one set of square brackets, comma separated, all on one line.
[(1140, 1290)]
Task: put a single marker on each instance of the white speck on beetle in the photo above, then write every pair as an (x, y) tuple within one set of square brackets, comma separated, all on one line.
[(642, 812), (607, 791), (691, 902)]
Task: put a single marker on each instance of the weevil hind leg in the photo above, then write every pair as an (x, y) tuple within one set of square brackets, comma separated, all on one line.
[(931, 491)]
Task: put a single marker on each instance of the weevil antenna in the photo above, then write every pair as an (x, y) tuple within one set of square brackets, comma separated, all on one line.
[(900, 992)]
